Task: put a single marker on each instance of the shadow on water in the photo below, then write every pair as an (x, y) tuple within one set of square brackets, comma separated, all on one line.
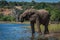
[(19, 32)]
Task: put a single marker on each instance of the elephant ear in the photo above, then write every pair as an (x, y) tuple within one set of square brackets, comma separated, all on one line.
[(32, 12), (29, 12), (25, 13)]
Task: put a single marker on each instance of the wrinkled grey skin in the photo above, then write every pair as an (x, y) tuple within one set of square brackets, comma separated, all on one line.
[(36, 16)]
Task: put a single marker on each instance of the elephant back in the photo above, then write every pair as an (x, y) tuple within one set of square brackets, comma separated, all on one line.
[(43, 11)]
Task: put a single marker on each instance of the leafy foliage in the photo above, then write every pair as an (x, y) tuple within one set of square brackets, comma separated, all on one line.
[(53, 8), (6, 18)]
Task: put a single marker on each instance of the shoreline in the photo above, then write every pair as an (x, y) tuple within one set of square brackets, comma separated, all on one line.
[(13, 22)]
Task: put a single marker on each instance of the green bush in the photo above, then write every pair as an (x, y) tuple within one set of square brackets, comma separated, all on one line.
[(6, 18)]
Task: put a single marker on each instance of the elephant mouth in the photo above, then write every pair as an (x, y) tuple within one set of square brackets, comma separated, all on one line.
[(21, 20)]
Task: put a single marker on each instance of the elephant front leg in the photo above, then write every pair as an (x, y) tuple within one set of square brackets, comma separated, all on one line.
[(38, 27), (33, 29)]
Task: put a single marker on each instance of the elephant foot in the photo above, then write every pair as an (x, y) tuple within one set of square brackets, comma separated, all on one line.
[(46, 32), (32, 38), (39, 33), (39, 39)]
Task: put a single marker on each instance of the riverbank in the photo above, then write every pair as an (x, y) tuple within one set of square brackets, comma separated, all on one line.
[(13, 22), (52, 27)]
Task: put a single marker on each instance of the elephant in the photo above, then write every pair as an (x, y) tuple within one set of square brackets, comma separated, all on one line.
[(39, 17)]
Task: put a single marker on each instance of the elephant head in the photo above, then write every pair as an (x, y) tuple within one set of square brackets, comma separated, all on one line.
[(28, 15)]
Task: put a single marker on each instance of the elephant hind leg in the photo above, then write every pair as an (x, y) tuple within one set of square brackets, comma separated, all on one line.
[(46, 31)]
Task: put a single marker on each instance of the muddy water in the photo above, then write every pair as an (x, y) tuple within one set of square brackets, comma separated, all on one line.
[(19, 32)]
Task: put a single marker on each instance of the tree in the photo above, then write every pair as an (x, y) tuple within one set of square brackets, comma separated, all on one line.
[(8, 18), (3, 3), (55, 14), (33, 2), (1, 16)]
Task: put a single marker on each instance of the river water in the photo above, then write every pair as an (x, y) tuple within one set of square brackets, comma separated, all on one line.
[(14, 31)]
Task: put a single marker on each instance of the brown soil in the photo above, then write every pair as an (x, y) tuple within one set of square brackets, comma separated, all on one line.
[(53, 35)]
